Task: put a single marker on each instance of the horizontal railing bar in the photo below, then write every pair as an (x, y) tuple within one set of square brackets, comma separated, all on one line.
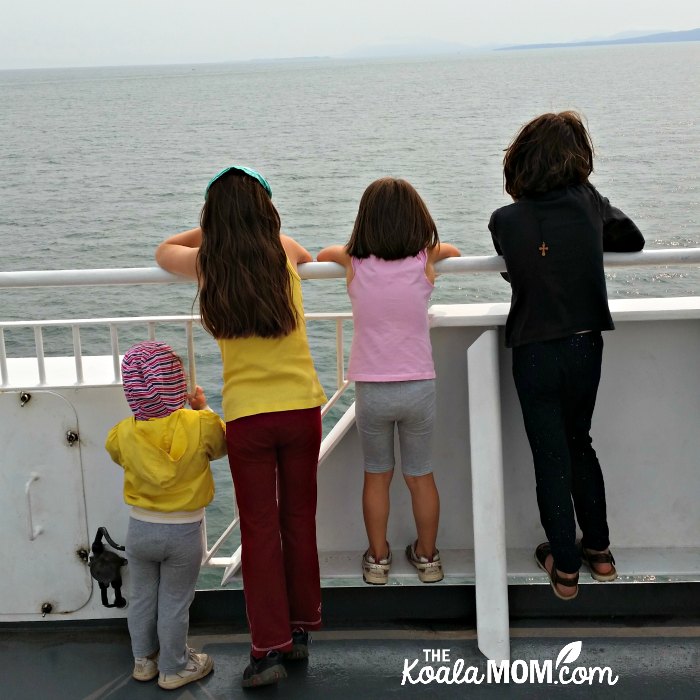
[(94, 277), (137, 320), (315, 270), (118, 321)]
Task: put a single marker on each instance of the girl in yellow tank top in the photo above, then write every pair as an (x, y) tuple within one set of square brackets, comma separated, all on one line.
[(251, 302)]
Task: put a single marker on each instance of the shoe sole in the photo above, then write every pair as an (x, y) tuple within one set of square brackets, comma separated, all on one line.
[(267, 677), (603, 578), (297, 653), (375, 579), (429, 578), (142, 678), (205, 671), (425, 575), (553, 585)]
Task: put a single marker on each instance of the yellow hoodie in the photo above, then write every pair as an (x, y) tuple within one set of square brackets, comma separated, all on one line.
[(166, 460)]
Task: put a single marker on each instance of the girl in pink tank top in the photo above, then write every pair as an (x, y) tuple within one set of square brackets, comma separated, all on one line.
[(389, 264)]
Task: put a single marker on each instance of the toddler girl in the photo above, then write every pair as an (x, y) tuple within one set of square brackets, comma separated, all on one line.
[(165, 451)]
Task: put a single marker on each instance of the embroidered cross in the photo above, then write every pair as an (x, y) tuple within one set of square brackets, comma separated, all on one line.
[(543, 248)]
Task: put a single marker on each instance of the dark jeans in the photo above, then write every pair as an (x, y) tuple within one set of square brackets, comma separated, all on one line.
[(557, 382)]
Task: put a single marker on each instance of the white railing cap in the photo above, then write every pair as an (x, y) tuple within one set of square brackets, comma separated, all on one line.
[(315, 270)]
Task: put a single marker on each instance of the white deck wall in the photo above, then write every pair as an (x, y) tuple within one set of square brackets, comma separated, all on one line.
[(646, 432)]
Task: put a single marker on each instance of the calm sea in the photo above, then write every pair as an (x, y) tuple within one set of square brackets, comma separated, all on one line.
[(98, 165)]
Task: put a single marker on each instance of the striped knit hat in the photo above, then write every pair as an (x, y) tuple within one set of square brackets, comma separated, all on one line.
[(154, 380)]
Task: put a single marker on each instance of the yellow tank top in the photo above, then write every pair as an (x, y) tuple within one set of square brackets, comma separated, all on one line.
[(264, 375)]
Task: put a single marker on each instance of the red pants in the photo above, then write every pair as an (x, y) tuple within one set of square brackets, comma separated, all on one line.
[(273, 459)]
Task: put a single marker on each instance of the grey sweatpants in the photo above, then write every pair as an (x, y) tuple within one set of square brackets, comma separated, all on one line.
[(164, 563)]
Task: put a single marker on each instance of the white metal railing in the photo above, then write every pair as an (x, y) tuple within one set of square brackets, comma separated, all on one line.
[(131, 276), (316, 270), (231, 563), (76, 324)]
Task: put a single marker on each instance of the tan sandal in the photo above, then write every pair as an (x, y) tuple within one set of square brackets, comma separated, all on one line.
[(541, 553), (591, 558)]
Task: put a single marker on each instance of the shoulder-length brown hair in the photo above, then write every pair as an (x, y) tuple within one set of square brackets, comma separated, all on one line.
[(244, 285), (552, 150), (392, 222)]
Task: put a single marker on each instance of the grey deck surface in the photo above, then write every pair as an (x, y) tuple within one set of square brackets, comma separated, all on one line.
[(85, 663)]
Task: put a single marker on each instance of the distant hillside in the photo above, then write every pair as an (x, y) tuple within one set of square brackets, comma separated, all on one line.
[(664, 37), (416, 47)]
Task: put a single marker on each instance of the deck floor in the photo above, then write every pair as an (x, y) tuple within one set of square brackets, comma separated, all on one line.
[(659, 660)]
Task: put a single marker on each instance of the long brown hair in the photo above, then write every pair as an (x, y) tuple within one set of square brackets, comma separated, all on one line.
[(244, 286), (552, 150), (392, 222)]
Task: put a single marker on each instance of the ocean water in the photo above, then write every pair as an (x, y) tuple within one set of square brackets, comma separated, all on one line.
[(99, 165)]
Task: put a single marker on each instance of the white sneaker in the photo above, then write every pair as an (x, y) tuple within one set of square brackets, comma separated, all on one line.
[(198, 666), (145, 667), (375, 572), (429, 570)]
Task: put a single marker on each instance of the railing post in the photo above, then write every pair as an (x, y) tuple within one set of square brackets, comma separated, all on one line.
[(190, 356), (39, 346), (339, 353), (114, 340), (492, 624), (4, 378), (78, 355)]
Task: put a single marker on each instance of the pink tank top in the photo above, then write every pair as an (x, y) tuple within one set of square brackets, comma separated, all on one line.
[(391, 340)]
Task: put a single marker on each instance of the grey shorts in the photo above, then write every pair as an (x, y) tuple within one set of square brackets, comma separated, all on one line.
[(408, 405)]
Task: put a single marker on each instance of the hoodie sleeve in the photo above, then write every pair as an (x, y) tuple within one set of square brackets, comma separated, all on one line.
[(112, 446), (213, 434)]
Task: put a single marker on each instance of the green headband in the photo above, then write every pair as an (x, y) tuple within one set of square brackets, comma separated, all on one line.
[(248, 171)]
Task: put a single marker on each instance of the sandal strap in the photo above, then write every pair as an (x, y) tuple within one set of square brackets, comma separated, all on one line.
[(568, 582), (599, 558)]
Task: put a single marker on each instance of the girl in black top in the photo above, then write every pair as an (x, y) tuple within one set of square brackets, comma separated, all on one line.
[(552, 238)]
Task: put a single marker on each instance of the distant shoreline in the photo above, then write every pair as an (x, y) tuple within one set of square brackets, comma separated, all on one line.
[(662, 38), (417, 51)]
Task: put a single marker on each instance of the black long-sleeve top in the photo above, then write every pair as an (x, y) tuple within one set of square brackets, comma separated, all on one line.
[(553, 248)]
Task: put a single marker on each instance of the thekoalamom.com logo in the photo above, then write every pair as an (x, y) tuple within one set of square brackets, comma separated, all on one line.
[(519, 671)]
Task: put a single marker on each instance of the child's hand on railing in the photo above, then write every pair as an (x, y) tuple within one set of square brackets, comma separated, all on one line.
[(197, 400)]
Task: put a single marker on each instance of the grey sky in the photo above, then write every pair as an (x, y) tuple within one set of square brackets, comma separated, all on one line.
[(44, 33)]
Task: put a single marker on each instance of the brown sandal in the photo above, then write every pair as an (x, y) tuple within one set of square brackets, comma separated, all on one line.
[(590, 559), (541, 554)]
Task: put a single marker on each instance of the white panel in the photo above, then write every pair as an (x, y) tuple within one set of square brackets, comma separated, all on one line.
[(42, 506), (487, 497)]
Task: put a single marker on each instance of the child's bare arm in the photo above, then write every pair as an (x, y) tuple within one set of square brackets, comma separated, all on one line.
[(334, 253), (439, 252), (296, 252), (178, 253), (338, 254), (442, 251)]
